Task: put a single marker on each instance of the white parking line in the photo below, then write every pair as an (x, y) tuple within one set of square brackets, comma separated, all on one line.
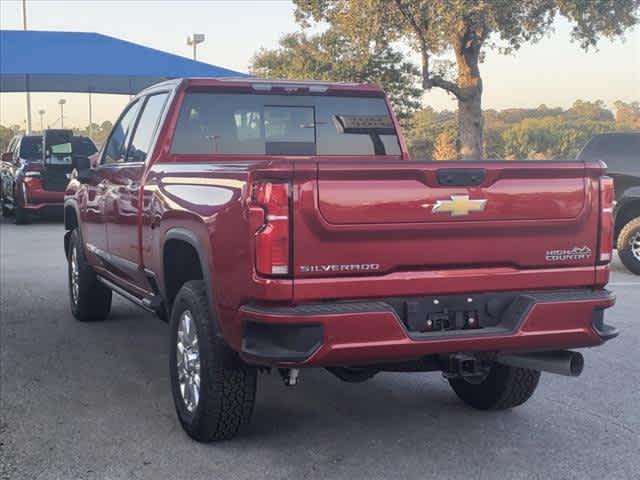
[(624, 284)]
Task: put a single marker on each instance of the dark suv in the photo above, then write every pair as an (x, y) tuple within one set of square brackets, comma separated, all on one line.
[(621, 151), (31, 182)]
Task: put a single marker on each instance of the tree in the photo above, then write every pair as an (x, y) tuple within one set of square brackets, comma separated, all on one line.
[(628, 115), (466, 28), (6, 135), (422, 131), (445, 147), (597, 111), (331, 56)]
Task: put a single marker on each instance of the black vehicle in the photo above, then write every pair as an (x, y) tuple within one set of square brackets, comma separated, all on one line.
[(622, 154), (34, 171)]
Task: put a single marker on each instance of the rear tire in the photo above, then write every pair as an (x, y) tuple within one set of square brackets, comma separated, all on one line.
[(629, 245), (90, 300), (226, 386), (5, 210), (505, 387)]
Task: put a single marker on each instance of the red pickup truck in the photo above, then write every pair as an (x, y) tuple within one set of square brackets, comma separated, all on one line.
[(282, 225)]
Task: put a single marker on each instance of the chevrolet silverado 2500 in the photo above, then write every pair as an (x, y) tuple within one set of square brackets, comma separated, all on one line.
[(281, 226)]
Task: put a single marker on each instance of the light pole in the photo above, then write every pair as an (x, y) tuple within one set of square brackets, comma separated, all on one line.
[(194, 40), (41, 112), (61, 102), (28, 106)]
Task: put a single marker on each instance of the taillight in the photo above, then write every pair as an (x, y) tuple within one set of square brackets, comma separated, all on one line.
[(32, 169), (272, 238), (606, 220)]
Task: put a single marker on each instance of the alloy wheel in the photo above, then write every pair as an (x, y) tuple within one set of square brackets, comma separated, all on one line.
[(635, 246), (188, 361), (75, 276)]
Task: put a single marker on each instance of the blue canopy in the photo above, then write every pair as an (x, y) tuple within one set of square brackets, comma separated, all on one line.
[(41, 61)]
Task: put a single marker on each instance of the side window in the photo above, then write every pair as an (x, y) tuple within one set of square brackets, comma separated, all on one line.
[(116, 147), (146, 127)]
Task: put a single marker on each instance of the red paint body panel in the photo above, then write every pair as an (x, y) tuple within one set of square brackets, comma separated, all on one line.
[(37, 197), (353, 210)]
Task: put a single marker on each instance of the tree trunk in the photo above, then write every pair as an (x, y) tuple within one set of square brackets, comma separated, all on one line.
[(470, 127), (467, 46)]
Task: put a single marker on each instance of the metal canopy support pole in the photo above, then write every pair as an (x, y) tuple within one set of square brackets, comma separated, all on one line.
[(90, 118), (24, 26), (28, 126)]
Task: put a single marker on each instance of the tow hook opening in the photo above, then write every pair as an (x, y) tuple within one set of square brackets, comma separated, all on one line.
[(471, 367)]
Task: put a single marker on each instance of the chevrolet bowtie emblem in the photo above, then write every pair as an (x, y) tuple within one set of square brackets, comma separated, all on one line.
[(459, 205)]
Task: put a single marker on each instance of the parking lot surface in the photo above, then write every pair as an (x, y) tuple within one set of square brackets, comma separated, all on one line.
[(92, 401)]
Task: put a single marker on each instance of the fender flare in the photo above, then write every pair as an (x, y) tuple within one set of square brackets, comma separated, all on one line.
[(630, 195), (67, 236), (188, 236)]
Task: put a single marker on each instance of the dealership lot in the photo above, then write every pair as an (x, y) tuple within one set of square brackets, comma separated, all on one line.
[(92, 401)]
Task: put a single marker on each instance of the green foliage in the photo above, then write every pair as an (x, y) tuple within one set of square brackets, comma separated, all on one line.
[(466, 28), (628, 115), (526, 133), (432, 26), (423, 129), (99, 133), (333, 57), (6, 134)]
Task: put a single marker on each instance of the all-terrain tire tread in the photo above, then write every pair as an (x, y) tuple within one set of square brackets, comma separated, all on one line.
[(624, 250), (504, 388), (231, 383), (94, 299), (521, 386)]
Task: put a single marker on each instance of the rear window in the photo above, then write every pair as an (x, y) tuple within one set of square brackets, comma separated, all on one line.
[(31, 148), (620, 152), (254, 124), (83, 146)]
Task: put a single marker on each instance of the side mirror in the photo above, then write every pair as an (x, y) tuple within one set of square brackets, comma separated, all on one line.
[(83, 171), (7, 157)]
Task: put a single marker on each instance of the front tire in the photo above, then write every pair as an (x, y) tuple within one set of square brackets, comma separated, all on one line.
[(21, 215), (213, 389), (629, 245), (89, 299), (505, 387)]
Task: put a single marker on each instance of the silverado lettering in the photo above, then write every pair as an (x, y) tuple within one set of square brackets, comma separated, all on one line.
[(363, 267), (247, 215)]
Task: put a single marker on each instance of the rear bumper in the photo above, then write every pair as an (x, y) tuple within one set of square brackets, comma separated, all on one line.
[(39, 207), (32, 196), (365, 332)]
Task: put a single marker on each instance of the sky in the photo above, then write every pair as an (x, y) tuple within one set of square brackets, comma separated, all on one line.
[(554, 71)]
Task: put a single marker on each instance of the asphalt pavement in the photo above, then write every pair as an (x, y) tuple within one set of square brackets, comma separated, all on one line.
[(92, 401)]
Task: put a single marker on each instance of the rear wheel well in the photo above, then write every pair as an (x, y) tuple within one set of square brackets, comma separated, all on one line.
[(629, 211), (181, 263)]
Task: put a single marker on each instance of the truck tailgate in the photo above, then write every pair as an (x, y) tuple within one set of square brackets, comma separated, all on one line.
[(363, 218)]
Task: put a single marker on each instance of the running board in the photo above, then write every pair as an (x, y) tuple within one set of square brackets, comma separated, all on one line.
[(149, 304)]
